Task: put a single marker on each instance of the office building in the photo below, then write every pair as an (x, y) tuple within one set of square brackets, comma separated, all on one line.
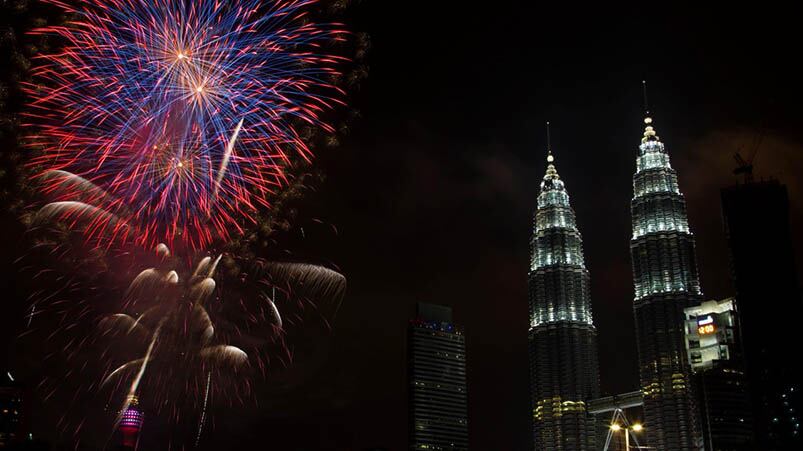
[(438, 398)]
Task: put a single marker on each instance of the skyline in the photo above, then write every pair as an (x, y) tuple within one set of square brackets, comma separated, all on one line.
[(432, 192), (469, 172)]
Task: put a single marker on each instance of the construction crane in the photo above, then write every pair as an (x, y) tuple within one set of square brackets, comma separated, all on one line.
[(746, 166)]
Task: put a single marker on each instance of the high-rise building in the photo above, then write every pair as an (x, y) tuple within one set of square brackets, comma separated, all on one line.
[(756, 217), (437, 381), (564, 373), (666, 282), (714, 351)]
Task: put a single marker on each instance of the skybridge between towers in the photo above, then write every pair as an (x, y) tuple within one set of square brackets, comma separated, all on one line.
[(609, 404)]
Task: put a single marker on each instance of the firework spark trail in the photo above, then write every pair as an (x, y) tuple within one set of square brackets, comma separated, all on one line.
[(203, 410), (224, 164), (30, 316), (146, 101), (182, 344), (132, 391)]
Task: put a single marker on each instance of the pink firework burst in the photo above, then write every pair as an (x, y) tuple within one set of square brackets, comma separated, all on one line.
[(174, 121)]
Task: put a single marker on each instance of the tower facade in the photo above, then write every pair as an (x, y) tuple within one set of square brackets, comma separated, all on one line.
[(437, 378), (564, 372), (666, 282)]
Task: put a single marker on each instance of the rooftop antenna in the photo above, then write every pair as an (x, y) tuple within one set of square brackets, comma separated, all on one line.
[(549, 157), (646, 103)]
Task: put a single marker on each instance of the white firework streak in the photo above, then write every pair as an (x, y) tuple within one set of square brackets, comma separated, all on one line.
[(30, 316), (135, 383), (203, 411), (224, 164)]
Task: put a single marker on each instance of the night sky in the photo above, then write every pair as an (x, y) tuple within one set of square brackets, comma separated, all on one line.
[(433, 190)]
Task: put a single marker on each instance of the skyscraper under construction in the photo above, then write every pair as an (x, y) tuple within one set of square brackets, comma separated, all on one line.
[(666, 282), (756, 215), (564, 371)]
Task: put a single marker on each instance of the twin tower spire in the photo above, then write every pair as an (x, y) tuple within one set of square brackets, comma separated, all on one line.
[(564, 373)]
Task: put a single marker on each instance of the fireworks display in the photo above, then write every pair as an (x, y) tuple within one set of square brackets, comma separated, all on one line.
[(188, 340), (184, 114), (173, 125), (131, 323)]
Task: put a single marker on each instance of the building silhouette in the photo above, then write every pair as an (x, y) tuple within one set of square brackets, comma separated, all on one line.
[(714, 351), (438, 399), (756, 219), (564, 373), (666, 281)]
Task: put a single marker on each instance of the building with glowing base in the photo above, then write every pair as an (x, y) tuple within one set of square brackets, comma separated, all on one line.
[(564, 372), (666, 282)]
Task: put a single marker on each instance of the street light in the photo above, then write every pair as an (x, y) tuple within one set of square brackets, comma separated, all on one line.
[(616, 427)]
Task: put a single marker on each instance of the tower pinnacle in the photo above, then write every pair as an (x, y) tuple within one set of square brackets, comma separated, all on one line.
[(649, 131)]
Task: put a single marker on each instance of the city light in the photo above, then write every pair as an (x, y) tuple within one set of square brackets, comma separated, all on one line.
[(616, 427)]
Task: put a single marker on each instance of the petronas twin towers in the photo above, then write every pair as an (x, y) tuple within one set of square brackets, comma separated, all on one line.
[(564, 372), (562, 339)]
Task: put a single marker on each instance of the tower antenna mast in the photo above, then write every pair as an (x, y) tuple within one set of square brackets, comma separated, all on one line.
[(646, 103)]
